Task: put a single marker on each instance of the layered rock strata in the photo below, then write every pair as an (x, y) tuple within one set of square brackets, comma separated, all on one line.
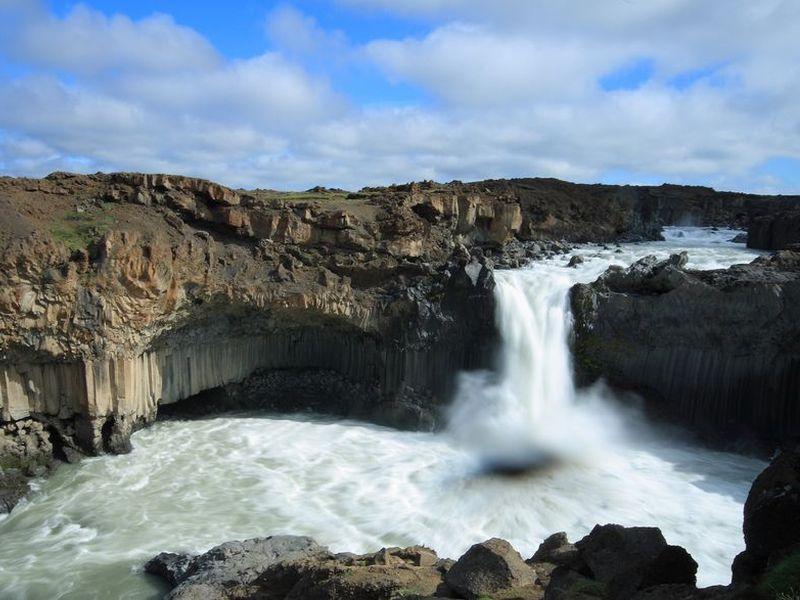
[(717, 349), (125, 292)]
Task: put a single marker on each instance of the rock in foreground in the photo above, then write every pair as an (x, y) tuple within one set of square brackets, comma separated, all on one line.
[(613, 561), (290, 567), (619, 562), (492, 567), (772, 525)]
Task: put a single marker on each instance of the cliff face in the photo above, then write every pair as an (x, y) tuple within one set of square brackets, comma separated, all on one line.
[(719, 350), (123, 292), (775, 231)]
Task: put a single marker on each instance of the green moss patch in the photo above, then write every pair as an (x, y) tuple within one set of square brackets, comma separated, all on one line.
[(783, 582), (78, 230), (588, 587)]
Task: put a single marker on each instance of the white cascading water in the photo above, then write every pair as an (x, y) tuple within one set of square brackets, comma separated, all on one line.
[(532, 411), (531, 414), (86, 532)]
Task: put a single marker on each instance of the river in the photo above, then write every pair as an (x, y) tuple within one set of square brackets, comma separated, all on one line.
[(188, 485)]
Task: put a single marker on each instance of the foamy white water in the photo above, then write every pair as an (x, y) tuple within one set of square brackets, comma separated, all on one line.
[(190, 485)]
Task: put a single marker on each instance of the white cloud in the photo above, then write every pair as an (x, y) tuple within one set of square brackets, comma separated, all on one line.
[(468, 64), (88, 42), (514, 85), (297, 33)]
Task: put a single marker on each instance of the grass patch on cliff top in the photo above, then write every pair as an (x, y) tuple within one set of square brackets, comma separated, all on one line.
[(77, 230), (308, 196)]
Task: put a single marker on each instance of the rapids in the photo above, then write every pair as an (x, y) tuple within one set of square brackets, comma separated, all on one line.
[(188, 485)]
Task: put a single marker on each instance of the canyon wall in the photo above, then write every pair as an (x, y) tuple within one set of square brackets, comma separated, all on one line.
[(719, 350), (774, 231), (123, 292)]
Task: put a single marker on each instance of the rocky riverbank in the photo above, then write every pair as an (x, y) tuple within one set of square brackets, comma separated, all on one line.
[(611, 562), (125, 292), (719, 350)]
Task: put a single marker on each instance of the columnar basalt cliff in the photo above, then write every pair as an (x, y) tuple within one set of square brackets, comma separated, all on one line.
[(717, 349), (776, 230), (123, 292)]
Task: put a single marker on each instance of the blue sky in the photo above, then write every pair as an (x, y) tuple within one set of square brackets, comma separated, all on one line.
[(362, 92)]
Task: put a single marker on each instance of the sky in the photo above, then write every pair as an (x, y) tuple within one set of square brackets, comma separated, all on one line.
[(349, 93)]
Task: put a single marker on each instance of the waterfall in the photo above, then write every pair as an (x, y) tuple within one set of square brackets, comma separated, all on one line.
[(533, 319), (529, 410)]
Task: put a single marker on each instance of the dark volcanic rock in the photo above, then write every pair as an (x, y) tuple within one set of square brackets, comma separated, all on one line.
[(289, 567), (230, 565), (628, 559), (771, 519), (390, 573), (28, 449), (620, 562), (716, 350), (576, 260), (169, 566), (775, 231), (612, 562), (488, 568), (740, 238), (556, 550)]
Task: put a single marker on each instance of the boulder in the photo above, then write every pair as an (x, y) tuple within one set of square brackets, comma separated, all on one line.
[(576, 260), (230, 564), (199, 591), (771, 519), (290, 567), (567, 584), (740, 238), (335, 579), (556, 550), (488, 568), (628, 559), (169, 566)]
